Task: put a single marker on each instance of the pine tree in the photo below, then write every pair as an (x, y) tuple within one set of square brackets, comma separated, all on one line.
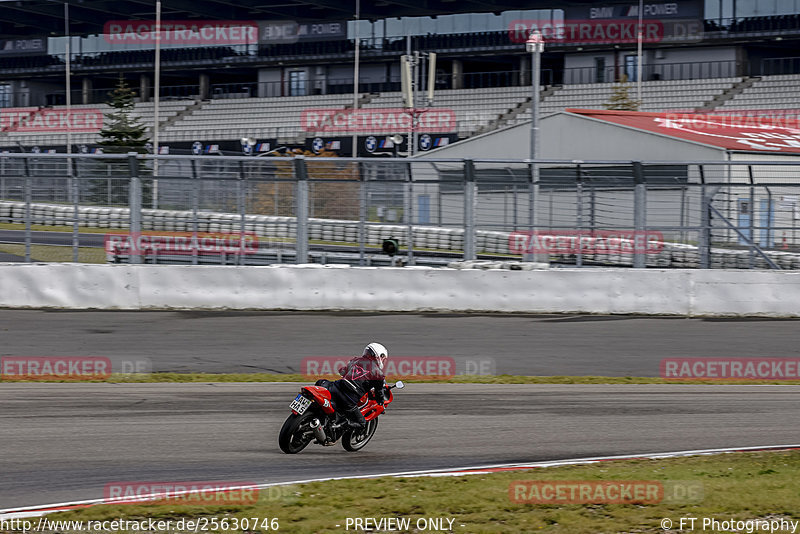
[(122, 132), (621, 99)]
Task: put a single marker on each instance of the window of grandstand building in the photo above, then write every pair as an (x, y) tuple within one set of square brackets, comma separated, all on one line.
[(5, 95), (630, 66), (297, 83), (599, 70)]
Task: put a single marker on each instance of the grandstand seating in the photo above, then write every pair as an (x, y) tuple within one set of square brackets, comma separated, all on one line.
[(30, 62), (144, 110), (251, 117), (768, 92), (476, 110), (147, 56), (656, 95)]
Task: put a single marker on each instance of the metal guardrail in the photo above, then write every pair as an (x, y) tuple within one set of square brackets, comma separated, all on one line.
[(706, 214)]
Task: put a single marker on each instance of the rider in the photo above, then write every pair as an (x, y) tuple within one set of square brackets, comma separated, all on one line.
[(362, 373)]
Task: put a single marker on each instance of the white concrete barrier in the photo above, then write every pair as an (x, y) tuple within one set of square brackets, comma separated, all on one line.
[(450, 239), (314, 287)]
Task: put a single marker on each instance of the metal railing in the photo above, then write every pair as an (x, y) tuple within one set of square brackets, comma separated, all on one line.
[(55, 207)]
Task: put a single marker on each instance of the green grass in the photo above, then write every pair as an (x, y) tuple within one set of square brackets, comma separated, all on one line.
[(458, 379), (48, 228), (54, 253), (757, 485)]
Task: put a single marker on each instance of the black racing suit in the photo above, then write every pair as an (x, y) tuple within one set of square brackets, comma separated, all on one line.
[(360, 375)]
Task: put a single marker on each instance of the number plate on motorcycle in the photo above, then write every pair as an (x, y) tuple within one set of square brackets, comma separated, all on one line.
[(300, 404)]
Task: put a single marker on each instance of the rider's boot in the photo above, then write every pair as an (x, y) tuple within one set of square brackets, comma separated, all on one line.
[(355, 419)]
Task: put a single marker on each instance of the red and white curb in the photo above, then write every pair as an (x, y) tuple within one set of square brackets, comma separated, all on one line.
[(37, 511)]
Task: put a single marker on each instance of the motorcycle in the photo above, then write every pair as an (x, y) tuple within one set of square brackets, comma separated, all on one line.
[(314, 418)]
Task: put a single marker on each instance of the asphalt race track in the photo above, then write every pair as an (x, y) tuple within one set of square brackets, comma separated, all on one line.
[(277, 342), (63, 442)]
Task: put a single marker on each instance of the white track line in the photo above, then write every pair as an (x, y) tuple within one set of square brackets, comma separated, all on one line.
[(37, 511)]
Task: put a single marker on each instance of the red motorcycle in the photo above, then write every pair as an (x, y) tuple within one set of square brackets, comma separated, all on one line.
[(314, 418)]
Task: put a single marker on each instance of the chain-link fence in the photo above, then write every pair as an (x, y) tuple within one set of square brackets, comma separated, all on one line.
[(381, 211)]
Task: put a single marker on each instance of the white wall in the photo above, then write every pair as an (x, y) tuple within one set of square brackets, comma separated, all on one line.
[(651, 291), (566, 136)]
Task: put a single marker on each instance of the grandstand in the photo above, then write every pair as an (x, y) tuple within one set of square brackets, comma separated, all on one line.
[(214, 92), (477, 110)]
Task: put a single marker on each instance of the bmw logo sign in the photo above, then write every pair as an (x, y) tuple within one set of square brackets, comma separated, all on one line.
[(197, 148), (317, 145), (371, 143), (425, 142), (36, 150), (247, 148)]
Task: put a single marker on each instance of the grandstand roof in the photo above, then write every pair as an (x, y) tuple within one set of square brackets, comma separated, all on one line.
[(731, 132), (29, 18)]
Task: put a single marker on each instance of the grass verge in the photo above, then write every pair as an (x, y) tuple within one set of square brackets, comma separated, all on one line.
[(459, 379), (738, 486), (55, 253)]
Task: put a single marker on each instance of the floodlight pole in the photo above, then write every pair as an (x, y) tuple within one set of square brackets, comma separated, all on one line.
[(156, 103), (356, 73), (639, 41), (68, 74), (73, 181), (534, 45)]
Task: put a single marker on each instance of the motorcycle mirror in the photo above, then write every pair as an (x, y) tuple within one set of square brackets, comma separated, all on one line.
[(399, 384)]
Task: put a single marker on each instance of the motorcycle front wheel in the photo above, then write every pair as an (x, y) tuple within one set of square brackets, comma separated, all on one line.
[(354, 442), (296, 433)]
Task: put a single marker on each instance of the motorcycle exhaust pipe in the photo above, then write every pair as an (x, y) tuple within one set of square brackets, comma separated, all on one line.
[(319, 433)]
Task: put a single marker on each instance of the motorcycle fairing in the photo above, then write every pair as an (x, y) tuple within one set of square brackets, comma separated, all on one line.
[(321, 396)]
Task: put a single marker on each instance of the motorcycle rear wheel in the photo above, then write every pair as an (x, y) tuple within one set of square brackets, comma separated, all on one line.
[(356, 442), (296, 433)]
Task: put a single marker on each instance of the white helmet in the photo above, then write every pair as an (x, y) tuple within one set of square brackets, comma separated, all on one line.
[(378, 352)]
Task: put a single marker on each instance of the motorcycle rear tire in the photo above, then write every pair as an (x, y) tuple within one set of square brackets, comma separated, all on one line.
[(287, 439), (352, 442)]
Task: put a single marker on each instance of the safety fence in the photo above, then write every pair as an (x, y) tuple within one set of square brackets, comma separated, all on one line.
[(255, 211)]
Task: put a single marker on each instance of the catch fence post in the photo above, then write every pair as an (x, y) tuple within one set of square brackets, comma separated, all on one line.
[(469, 210), (639, 212), (301, 175), (135, 204)]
